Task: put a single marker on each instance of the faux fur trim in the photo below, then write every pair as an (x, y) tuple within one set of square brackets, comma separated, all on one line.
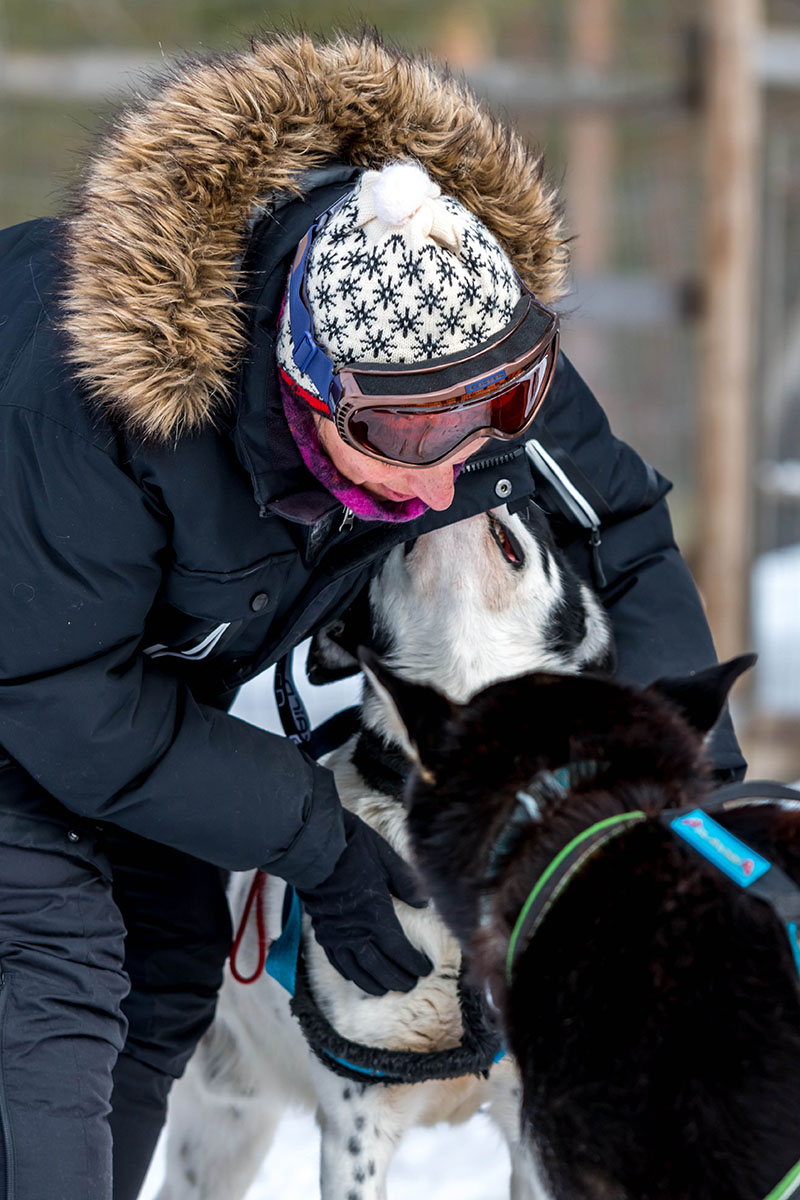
[(152, 251)]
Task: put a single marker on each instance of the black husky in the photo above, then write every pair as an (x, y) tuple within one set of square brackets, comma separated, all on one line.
[(649, 995)]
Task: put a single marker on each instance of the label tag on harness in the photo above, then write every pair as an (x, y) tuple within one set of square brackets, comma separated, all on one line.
[(738, 861)]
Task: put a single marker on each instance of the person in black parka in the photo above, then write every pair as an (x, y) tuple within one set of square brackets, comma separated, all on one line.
[(179, 512)]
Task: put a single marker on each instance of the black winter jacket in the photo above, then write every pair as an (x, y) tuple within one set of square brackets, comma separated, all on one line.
[(149, 570)]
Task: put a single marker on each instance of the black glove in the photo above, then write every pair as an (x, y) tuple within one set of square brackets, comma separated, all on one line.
[(353, 917)]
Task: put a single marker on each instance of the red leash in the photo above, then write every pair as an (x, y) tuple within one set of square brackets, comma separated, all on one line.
[(254, 896)]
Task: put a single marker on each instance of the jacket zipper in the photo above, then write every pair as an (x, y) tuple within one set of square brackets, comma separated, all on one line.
[(496, 461), (6, 1157), (348, 517), (575, 501)]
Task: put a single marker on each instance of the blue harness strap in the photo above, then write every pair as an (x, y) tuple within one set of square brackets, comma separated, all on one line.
[(698, 831), (750, 870)]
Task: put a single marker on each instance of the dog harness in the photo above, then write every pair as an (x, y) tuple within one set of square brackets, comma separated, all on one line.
[(480, 1046), (692, 824), (696, 829)]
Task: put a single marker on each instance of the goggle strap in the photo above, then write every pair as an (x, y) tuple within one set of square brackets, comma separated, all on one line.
[(308, 356)]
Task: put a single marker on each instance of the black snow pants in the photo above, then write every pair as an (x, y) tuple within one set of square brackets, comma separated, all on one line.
[(111, 956)]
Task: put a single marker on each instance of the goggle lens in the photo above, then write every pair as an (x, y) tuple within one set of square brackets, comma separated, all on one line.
[(422, 435)]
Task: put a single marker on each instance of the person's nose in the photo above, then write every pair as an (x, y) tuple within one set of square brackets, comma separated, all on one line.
[(434, 486)]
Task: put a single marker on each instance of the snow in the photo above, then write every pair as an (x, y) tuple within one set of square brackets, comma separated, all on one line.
[(256, 701), (776, 631), (464, 1162)]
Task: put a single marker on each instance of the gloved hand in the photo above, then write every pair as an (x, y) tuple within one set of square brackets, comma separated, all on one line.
[(353, 917)]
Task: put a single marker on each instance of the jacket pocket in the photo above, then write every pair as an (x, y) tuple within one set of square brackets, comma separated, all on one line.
[(32, 819), (203, 611), (195, 646)]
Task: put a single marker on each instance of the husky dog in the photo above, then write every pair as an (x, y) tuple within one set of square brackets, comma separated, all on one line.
[(461, 607), (651, 1002)]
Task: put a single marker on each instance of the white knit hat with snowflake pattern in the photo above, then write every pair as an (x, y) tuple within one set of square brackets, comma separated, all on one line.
[(401, 274)]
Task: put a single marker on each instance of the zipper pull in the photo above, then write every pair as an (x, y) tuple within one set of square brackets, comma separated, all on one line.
[(597, 565), (347, 521)]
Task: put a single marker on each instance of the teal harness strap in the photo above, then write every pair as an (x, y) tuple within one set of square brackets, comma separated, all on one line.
[(742, 864), (479, 1049), (692, 825), (282, 955)]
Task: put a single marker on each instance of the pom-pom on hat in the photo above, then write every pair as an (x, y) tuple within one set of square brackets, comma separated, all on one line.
[(401, 274)]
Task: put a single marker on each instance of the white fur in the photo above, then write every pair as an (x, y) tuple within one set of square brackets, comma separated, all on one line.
[(460, 617)]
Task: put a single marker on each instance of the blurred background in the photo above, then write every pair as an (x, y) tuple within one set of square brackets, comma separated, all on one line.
[(673, 131)]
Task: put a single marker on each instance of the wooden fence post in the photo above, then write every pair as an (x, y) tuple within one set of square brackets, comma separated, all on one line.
[(591, 156), (726, 377)]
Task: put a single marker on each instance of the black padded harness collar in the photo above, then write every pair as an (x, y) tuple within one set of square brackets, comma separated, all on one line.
[(480, 1046)]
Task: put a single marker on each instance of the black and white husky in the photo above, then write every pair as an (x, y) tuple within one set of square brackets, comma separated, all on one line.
[(469, 604)]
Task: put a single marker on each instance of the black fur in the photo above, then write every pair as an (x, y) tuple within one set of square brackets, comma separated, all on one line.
[(656, 1013), (567, 626), (568, 622), (383, 768)]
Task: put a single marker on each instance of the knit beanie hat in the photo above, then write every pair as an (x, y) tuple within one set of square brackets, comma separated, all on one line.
[(400, 274)]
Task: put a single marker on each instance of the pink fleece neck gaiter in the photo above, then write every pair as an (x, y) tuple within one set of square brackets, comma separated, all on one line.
[(299, 416)]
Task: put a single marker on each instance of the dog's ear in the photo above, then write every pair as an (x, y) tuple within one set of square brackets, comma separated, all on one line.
[(327, 659), (416, 714), (702, 695), (332, 654)]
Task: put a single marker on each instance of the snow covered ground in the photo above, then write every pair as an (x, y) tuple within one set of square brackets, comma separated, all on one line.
[(464, 1162)]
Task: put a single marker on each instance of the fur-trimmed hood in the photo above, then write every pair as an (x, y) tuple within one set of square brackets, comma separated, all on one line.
[(154, 246)]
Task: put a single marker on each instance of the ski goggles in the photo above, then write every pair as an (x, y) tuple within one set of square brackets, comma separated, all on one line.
[(419, 414)]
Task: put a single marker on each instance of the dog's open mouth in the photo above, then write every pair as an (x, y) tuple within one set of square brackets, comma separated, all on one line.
[(510, 547)]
